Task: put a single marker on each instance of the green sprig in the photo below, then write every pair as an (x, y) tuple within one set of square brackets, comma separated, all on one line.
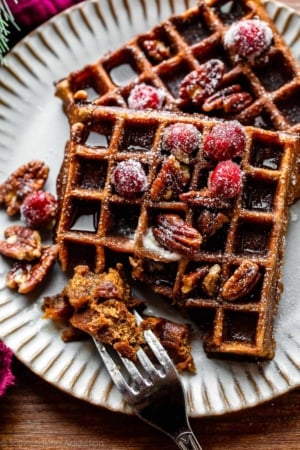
[(6, 20)]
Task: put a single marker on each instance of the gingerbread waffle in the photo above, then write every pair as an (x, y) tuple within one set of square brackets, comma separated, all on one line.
[(263, 91), (220, 259)]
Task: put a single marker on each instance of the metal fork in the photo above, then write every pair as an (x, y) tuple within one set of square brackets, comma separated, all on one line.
[(154, 390)]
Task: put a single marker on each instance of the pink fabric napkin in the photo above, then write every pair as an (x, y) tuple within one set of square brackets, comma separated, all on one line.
[(28, 14), (6, 376), (31, 13)]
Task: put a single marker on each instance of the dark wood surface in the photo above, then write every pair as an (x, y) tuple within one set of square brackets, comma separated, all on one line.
[(35, 415)]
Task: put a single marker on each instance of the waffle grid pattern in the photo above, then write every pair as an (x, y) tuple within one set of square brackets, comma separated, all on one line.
[(97, 226), (192, 39)]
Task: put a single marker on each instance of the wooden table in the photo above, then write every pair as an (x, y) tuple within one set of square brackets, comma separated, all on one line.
[(35, 415)]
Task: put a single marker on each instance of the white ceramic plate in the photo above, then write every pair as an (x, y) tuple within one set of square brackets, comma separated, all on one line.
[(32, 125)]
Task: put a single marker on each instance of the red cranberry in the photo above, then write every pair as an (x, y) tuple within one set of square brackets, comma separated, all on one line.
[(225, 180), (39, 209), (225, 141), (248, 38), (144, 96), (129, 178), (199, 84), (181, 139)]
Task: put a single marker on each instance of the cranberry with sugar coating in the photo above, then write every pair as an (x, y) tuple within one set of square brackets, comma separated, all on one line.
[(129, 178), (225, 141), (39, 209), (143, 96), (181, 139), (248, 38), (225, 180)]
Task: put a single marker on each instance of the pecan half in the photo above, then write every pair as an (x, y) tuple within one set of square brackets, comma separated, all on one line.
[(242, 281), (191, 280), (26, 179), (231, 100), (170, 181), (156, 49), (202, 82), (174, 234), (26, 276), (209, 222), (204, 198), (21, 243), (211, 280)]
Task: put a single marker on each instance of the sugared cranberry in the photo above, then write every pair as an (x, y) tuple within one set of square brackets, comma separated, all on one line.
[(39, 209), (199, 84), (225, 141), (143, 96), (225, 180), (129, 178), (181, 139), (248, 38)]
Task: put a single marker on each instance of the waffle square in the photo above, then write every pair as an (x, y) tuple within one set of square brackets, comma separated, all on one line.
[(232, 281), (268, 86)]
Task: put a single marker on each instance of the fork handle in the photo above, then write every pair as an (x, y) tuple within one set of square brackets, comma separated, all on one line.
[(187, 441)]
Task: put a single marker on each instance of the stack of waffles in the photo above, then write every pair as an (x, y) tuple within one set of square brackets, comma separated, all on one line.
[(182, 164)]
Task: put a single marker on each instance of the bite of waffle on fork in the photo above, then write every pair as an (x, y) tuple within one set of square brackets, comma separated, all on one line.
[(229, 274), (102, 304), (262, 90)]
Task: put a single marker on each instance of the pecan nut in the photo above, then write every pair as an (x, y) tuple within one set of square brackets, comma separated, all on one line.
[(170, 181), (209, 222), (21, 243), (26, 179), (202, 82), (211, 280), (174, 234), (26, 276), (231, 100), (190, 281), (204, 198), (242, 281)]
